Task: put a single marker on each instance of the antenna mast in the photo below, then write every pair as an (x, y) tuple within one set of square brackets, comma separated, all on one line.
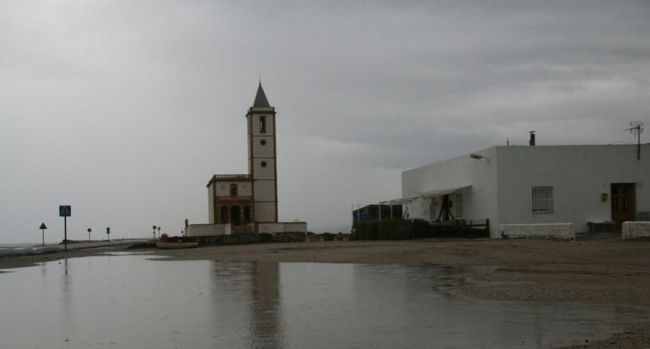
[(637, 127)]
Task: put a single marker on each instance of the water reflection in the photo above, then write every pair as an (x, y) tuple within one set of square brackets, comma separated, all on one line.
[(128, 301), (265, 324), (67, 309)]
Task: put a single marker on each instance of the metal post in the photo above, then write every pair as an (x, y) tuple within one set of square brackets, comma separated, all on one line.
[(379, 210), (638, 142), (42, 228), (65, 233), (358, 214)]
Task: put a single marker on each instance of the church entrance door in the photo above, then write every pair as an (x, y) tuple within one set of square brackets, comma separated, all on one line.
[(234, 215)]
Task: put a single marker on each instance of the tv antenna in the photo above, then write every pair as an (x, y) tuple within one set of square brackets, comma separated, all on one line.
[(636, 127)]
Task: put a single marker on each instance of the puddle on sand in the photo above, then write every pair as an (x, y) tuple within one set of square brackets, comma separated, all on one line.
[(129, 301)]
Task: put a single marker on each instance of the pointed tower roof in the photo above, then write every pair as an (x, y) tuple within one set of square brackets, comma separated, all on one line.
[(260, 98)]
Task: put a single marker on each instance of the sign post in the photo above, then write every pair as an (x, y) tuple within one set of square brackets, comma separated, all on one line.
[(108, 232), (65, 211), (89, 230), (42, 228)]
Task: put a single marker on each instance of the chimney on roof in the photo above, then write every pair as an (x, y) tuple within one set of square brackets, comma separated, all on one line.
[(531, 141)]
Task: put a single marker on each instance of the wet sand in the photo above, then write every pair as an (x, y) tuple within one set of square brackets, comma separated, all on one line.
[(593, 271), (598, 271), (607, 271)]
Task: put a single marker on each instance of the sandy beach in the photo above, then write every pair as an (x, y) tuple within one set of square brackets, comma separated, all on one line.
[(606, 271), (597, 271)]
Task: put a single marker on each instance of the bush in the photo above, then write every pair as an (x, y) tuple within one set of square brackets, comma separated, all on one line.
[(421, 229), (394, 229), (328, 236), (365, 231), (266, 237), (398, 229)]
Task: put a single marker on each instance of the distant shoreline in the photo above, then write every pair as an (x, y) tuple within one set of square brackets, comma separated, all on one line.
[(15, 257)]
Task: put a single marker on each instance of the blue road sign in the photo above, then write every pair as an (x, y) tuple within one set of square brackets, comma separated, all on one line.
[(65, 211)]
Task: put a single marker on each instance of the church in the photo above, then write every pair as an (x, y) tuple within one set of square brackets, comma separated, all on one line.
[(248, 203)]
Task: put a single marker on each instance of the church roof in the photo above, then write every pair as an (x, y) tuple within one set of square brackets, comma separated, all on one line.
[(260, 98), (229, 178)]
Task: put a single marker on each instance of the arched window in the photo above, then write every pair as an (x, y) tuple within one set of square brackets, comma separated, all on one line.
[(262, 124), (233, 189)]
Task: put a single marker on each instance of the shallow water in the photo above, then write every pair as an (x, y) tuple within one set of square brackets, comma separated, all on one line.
[(128, 301)]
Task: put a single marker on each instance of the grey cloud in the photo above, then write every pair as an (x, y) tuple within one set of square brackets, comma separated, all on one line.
[(125, 109)]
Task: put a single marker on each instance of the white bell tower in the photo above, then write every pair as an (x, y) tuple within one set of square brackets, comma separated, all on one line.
[(262, 159)]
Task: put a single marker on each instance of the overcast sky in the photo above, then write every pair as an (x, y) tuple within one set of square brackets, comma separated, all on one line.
[(125, 109)]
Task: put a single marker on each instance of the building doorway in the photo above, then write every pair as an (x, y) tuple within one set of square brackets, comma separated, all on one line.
[(234, 215), (224, 215), (623, 203)]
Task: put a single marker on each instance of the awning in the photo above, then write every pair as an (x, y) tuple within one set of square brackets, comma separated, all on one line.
[(446, 191), (428, 194), (399, 201)]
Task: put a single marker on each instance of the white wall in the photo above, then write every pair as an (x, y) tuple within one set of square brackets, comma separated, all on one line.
[(264, 190), (244, 188), (267, 172), (265, 212), (479, 201), (635, 230), (282, 227), (578, 174), (544, 230), (211, 218), (265, 150), (207, 229)]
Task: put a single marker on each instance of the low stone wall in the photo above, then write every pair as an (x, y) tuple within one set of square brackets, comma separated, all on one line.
[(240, 239), (541, 230), (207, 229), (635, 230), (289, 237), (282, 227), (236, 239)]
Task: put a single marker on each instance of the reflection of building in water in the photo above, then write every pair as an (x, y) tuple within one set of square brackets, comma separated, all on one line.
[(266, 324), (248, 203), (245, 304)]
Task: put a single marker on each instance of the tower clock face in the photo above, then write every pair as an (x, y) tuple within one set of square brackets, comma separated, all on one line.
[(263, 142)]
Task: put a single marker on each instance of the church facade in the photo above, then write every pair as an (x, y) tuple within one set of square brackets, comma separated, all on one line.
[(248, 203)]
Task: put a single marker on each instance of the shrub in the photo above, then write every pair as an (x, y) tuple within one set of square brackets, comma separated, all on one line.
[(328, 236), (266, 237)]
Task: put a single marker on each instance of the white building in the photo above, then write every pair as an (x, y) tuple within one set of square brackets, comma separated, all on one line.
[(533, 184), (248, 203)]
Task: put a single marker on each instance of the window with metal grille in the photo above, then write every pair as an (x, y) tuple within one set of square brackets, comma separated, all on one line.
[(543, 199)]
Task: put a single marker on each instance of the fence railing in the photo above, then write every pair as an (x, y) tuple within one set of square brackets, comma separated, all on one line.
[(419, 229)]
